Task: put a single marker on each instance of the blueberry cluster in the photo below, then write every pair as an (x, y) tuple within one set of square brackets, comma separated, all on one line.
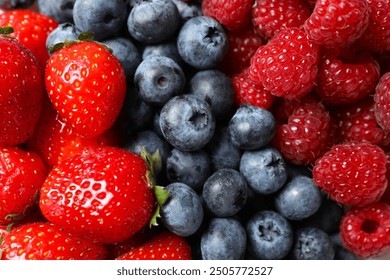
[(232, 194)]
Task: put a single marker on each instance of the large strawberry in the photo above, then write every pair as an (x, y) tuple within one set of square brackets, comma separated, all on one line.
[(46, 241), (164, 245), (31, 29), (105, 193), (21, 176), (21, 91), (87, 86)]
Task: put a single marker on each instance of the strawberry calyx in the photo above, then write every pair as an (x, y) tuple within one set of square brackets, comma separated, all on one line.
[(6, 30), (83, 37), (161, 194)]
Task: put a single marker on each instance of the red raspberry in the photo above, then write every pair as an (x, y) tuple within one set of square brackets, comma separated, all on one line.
[(287, 65), (250, 92), (382, 101), (377, 34), (242, 46), (365, 231), (346, 76), (352, 173), (270, 16), (357, 122), (234, 15), (336, 23), (305, 135), (386, 196)]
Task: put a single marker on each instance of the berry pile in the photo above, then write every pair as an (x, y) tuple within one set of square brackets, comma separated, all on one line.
[(214, 129)]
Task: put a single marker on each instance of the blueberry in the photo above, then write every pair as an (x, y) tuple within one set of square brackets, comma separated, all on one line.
[(222, 152), (15, 4), (223, 239), (59, 10), (225, 192), (166, 48), (187, 122), (296, 170), (127, 53), (182, 213), (251, 127), (270, 235), (215, 88), (312, 244), (64, 31), (191, 168), (298, 199), (202, 42), (187, 10), (158, 79), (153, 21), (265, 170), (101, 17)]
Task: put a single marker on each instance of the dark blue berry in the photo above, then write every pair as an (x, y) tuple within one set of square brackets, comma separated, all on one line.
[(215, 88), (15, 4), (225, 192), (270, 235), (223, 239), (127, 53), (101, 17), (312, 244), (187, 10), (182, 213), (64, 31), (153, 21), (187, 122), (222, 152), (251, 127), (190, 168), (202, 42), (166, 48), (298, 199), (265, 170), (158, 79), (59, 10)]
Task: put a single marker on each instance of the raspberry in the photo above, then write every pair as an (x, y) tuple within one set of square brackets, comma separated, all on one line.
[(366, 230), (346, 76), (352, 173), (305, 135), (377, 34), (337, 23), (357, 122), (250, 92), (382, 101), (234, 15), (242, 46), (287, 65), (270, 16)]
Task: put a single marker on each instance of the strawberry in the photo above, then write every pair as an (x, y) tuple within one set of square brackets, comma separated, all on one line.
[(21, 91), (31, 29), (87, 86), (163, 246), (104, 193), (22, 174), (46, 241), (54, 140)]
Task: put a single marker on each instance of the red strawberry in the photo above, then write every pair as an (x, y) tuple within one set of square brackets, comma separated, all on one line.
[(352, 173), (104, 193), (22, 174), (21, 92), (163, 246), (287, 65), (337, 23), (87, 86), (46, 241), (31, 29), (54, 140), (366, 230), (234, 15)]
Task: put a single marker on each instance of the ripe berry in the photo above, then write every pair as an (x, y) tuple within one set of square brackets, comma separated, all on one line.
[(365, 230), (287, 65), (352, 173), (337, 23), (382, 101)]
